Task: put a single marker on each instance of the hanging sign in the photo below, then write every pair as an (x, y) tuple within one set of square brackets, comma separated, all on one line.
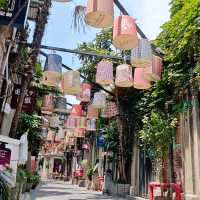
[(100, 141), (5, 155), (11, 10), (29, 100)]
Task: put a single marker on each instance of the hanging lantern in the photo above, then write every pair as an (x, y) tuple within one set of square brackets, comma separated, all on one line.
[(54, 122), (44, 132), (82, 122), (141, 56), (61, 133), (139, 81), (57, 139), (99, 100), (125, 33), (104, 74), (92, 113), (47, 105), (84, 95), (100, 13), (111, 109), (71, 122), (91, 125), (60, 105), (71, 82), (76, 110), (153, 73), (69, 133), (124, 76), (79, 133), (52, 70), (50, 136), (45, 121)]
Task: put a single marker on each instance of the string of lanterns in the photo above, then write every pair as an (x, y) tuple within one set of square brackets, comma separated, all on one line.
[(64, 126)]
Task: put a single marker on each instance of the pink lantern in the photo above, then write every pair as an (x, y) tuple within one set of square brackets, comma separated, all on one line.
[(92, 113), (99, 13), (111, 109), (99, 100), (84, 95), (141, 56), (125, 33), (76, 110), (79, 133), (104, 74), (124, 76), (139, 81), (153, 73)]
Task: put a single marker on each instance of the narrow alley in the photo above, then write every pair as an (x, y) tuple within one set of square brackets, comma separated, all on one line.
[(59, 190)]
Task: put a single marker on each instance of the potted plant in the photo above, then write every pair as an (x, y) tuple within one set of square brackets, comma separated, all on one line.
[(29, 176), (89, 174), (35, 180)]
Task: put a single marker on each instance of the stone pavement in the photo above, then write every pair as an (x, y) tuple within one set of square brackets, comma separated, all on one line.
[(58, 190)]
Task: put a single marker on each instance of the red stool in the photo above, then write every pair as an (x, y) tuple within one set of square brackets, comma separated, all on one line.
[(175, 186)]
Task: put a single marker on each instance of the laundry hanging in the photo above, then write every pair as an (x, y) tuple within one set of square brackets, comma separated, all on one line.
[(71, 82), (139, 81), (52, 70), (124, 76), (153, 73), (125, 33), (100, 13), (104, 74), (141, 56)]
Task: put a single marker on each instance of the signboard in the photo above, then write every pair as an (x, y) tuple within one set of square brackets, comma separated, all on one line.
[(29, 100), (11, 10), (5, 155), (100, 141)]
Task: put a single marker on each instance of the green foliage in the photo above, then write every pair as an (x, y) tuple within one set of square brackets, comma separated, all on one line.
[(90, 172), (3, 3), (30, 123), (4, 189), (157, 133)]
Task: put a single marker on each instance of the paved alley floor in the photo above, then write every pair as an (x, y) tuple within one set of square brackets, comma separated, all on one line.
[(58, 190)]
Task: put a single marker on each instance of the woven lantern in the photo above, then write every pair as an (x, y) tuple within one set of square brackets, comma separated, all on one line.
[(99, 13), (104, 74), (54, 122), (92, 113), (153, 73), (47, 105), (82, 122), (85, 94), (76, 111), (141, 56), (57, 139), (139, 81), (125, 33), (111, 109), (99, 100), (60, 105), (79, 133), (45, 121), (44, 132), (71, 82), (61, 133), (91, 125), (50, 136), (69, 132), (71, 122), (52, 70), (124, 76)]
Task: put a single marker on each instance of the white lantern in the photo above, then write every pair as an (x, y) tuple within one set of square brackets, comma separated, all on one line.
[(99, 100), (71, 82), (141, 56), (124, 76)]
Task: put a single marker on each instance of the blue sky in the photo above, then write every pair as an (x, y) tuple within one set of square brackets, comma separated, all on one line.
[(150, 15)]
